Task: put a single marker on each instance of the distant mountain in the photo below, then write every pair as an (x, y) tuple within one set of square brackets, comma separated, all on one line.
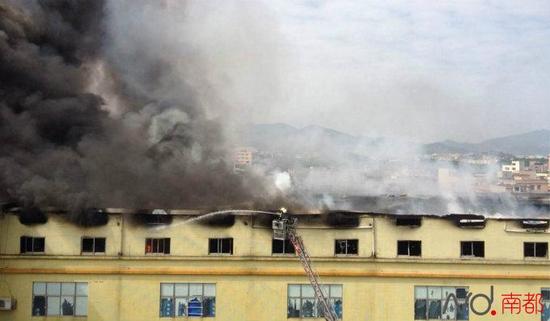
[(532, 143), (283, 137), (311, 142), (317, 141)]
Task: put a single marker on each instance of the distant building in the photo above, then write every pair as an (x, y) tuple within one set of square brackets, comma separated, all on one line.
[(244, 156), (513, 167)]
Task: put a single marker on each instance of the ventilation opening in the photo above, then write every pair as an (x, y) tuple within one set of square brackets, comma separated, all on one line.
[(534, 224), (32, 216), (411, 221), (92, 217), (224, 220), (469, 221), (339, 219), (153, 217)]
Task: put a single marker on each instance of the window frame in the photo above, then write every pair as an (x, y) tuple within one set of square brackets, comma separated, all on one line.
[(94, 252), (409, 248), (164, 247), (219, 245), (60, 295), (534, 256), (428, 300), (33, 239), (472, 249), (316, 307), (545, 302), (346, 247), (174, 298), (284, 247)]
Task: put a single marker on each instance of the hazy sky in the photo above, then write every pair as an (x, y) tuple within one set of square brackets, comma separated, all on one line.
[(426, 70)]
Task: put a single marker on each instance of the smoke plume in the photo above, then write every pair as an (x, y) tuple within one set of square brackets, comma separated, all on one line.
[(115, 104)]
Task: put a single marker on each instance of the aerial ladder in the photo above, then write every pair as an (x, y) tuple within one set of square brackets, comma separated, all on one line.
[(284, 228)]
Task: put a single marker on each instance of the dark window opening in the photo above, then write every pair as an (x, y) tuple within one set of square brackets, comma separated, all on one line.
[(93, 245), (472, 248), (282, 247), (39, 305), (157, 246), (409, 248), (220, 246), (346, 246), (32, 244), (408, 221), (532, 249)]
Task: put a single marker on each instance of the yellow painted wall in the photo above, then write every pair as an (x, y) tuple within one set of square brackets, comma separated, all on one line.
[(441, 238), (252, 284), (62, 237)]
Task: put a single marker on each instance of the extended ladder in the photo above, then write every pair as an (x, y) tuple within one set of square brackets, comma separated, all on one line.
[(300, 249)]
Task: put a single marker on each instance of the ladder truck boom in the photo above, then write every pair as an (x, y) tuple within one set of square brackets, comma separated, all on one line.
[(284, 229)]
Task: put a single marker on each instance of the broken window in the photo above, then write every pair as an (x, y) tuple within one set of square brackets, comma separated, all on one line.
[(409, 248), (187, 299), (472, 249), (55, 298), (30, 244), (303, 304), (157, 246), (429, 303), (282, 247), (220, 246), (545, 315), (346, 246), (93, 245), (532, 249)]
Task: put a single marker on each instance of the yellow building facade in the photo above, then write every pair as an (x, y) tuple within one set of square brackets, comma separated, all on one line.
[(382, 267)]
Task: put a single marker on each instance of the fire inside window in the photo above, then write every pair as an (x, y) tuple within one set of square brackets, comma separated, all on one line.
[(93, 245), (409, 248), (157, 246), (472, 249), (30, 244), (282, 247), (220, 246), (532, 249), (346, 246)]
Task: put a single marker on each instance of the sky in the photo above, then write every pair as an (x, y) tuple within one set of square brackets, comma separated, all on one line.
[(421, 70)]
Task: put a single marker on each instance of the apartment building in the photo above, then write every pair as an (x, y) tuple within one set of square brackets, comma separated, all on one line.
[(167, 265)]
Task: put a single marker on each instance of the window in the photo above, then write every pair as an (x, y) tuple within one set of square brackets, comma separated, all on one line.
[(157, 246), (55, 298), (93, 245), (409, 248), (282, 247), (545, 315), (346, 246), (302, 302), (30, 244), (532, 249), (220, 246), (187, 299), (472, 249), (429, 303)]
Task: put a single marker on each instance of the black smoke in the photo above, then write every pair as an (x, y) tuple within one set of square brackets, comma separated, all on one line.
[(63, 146)]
